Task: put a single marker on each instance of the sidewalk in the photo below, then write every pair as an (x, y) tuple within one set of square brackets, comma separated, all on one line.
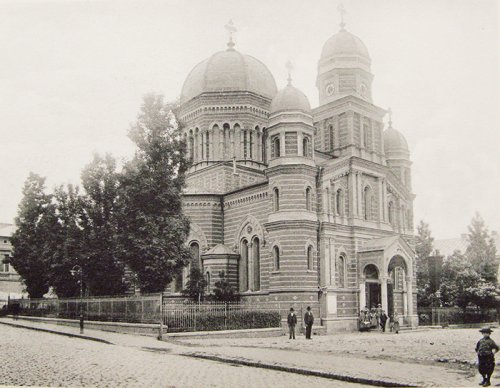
[(333, 366)]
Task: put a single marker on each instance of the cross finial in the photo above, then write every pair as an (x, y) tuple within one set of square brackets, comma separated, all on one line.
[(289, 67), (342, 12), (389, 112), (231, 29)]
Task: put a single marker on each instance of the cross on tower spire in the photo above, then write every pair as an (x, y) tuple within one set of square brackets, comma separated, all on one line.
[(389, 112), (289, 67), (231, 29), (342, 12)]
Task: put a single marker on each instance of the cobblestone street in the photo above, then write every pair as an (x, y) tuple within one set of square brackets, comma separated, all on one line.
[(43, 359)]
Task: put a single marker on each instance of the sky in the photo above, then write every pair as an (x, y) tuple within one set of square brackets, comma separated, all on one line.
[(73, 75)]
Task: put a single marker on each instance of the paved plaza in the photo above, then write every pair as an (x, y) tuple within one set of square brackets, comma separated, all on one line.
[(432, 357), (33, 358)]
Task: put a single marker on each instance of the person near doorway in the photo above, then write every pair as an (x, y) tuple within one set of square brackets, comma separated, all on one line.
[(394, 324), (292, 322), (308, 320), (378, 313), (486, 349), (383, 320)]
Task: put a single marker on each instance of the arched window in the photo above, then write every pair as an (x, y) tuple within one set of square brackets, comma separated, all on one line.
[(341, 262), (243, 267), (250, 140), (194, 247), (208, 282), (276, 258), (310, 258), (305, 147), (340, 202), (390, 211), (276, 147), (332, 138), (256, 263), (367, 193), (196, 143), (276, 199), (245, 145), (207, 155), (264, 148), (308, 199), (225, 137)]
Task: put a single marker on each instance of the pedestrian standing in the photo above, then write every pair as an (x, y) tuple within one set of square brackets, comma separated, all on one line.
[(308, 320), (378, 313), (486, 349), (292, 322), (395, 323), (383, 320)]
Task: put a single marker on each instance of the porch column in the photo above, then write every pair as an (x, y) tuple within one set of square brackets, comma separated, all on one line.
[(383, 292), (362, 293), (409, 294)]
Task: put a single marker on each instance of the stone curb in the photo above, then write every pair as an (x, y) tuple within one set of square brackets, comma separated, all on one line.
[(302, 371), (57, 332)]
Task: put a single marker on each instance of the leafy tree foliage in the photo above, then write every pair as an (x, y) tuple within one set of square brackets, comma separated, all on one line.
[(196, 284), (33, 222), (224, 291), (151, 226), (481, 250), (424, 248), (99, 206)]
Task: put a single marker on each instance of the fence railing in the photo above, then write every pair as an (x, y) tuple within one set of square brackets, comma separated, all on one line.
[(444, 316), (177, 315)]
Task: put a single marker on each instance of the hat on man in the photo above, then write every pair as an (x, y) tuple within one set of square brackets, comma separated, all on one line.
[(486, 330), (291, 308), (308, 308)]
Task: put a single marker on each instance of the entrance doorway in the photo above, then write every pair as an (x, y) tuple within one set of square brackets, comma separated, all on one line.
[(373, 294)]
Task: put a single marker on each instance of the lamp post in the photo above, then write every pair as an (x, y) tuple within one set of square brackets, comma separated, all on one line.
[(77, 270)]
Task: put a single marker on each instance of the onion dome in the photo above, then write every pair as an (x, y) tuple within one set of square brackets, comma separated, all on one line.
[(395, 144), (346, 44), (229, 71), (290, 99)]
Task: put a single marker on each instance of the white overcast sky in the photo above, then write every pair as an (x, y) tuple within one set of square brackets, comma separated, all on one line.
[(73, 74)]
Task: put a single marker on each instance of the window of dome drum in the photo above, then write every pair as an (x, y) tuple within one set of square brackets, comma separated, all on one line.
[(276, 195), (276, 254), (308, 199), (310, 258)]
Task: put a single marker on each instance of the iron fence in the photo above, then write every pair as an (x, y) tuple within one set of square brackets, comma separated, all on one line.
[(444, 316)]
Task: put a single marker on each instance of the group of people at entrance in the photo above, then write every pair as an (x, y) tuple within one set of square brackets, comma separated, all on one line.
[(377, 318), (292, 322)]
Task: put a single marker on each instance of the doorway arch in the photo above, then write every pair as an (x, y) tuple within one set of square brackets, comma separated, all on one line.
[(373, 294)]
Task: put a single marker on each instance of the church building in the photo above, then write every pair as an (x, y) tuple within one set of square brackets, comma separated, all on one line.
[(301, 205)]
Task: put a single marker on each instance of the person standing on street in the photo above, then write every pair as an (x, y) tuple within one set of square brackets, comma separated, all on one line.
[(486, 349), (292, 322), (383, 320), (308, 320)]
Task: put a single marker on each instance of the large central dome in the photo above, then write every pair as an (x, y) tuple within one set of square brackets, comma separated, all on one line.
[(228, 71)]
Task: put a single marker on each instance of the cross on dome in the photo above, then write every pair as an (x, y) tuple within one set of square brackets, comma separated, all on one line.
[(389, 112), (289, 67), (342, 12), (231, 29)]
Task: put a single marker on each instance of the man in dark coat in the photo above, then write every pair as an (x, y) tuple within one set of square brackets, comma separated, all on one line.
[(308, 320), (486, 349), (292, 322), (383, 320)]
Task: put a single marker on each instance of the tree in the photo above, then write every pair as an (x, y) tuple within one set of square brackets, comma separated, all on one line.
[(458, 281), (151, 227), (104, 271), (481, 250), (32, 221), (423, 249), (196, 285), (224, 291)]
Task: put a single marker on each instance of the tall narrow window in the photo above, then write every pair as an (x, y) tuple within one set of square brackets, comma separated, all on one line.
[(195, 254), (341, 271), (276, 257), (245, 145), (276, 199), (264, 148), (256, 263), (276, 147), (208, 146), (310, 258), (191, 148), (367, 203), (366, 136), (308, 199), (208, 282), (202, 137), (390, 210), (305, 147), (243, 267), (332, 139), (340, 202), (250, 135)]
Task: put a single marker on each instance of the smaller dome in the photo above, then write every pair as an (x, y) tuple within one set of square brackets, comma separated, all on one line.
[(344, 43), (290, 99), (394, 141)]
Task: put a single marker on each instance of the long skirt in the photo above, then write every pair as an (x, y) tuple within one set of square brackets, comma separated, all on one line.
[(486, 364)]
